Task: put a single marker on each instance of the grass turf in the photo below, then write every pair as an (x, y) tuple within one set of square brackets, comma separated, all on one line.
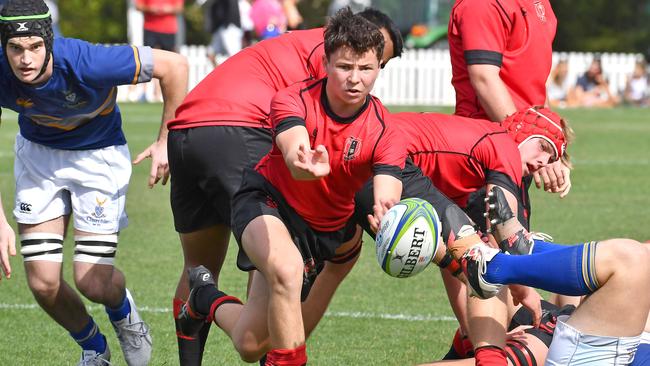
[(374, 319)]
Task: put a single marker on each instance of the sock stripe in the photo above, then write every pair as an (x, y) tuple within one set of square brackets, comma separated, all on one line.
[(218, 302), (589, 266)]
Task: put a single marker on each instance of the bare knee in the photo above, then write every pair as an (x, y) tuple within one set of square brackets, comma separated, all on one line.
[(625, 257), (94, 287), (44, 287), (249, 349), (285, 278)]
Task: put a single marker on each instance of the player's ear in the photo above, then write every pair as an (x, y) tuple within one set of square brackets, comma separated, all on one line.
[(325, 61)]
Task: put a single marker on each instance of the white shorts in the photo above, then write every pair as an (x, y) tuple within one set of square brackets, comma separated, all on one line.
[(227, 41), (91, 184), (572, 347)]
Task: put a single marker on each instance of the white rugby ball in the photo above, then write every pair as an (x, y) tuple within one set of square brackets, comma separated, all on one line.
[(408, 237)]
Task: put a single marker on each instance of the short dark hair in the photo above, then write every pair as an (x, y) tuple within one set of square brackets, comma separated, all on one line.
[(382, 20), (354, 32)]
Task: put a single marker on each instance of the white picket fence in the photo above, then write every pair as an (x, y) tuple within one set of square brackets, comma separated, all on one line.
[(419, 77)]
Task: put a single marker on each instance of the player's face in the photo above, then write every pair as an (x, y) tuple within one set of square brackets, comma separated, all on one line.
[(535, 153), (26, 56), (388, 48), (350, 79)]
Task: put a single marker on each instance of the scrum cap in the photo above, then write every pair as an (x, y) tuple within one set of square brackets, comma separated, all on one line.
[(24, 18), (537, 122)]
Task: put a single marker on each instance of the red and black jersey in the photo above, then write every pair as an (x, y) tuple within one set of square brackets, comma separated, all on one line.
[(515, 35), (359, 147), (460, 155), (239, 91)]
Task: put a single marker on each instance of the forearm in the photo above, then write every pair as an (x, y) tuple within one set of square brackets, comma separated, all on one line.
[(491, 92), (171, 70), (289, 142)]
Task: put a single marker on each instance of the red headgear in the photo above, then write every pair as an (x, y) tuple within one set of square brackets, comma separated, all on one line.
[(543, 123)]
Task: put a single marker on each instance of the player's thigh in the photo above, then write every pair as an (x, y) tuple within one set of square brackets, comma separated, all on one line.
[(98, 181), (207, 246), (271, 249), (41, 195)]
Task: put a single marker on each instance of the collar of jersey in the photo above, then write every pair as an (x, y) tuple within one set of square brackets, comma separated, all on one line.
[(336, 117)]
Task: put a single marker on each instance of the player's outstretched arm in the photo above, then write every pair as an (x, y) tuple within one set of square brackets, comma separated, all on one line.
[(303, 162), (7, 243), (387, 191), (171, 69)]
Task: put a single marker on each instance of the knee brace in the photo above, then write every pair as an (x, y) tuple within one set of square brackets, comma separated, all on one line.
[(97, 249), (41, 247)]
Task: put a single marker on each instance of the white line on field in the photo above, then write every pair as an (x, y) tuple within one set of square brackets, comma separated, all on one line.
[(332, 314)]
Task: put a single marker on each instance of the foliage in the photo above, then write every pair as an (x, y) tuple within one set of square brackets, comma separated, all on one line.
[(95, 21), (602, 25)]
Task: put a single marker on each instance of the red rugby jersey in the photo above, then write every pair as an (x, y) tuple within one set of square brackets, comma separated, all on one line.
[(460, 155), (358, 147), (161, 23), (516, 35), (239, 91)]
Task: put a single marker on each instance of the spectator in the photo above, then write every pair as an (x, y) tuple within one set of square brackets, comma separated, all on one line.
[(559, 87), (160, 22), (294, 19), (246, 22), (636, 87), (268, 18), (223, 21), (592, 89), (160, 27)]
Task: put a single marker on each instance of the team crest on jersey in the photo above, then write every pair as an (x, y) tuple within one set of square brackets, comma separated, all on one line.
[(25, 103), (99, 208), (72, 100), (540, 10), (352, 148)]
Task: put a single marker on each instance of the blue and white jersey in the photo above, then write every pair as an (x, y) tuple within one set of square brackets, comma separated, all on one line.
[(76, 108)]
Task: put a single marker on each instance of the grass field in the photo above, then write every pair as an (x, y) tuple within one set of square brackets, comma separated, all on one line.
[(374, 319)]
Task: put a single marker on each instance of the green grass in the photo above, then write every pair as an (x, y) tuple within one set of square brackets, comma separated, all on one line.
[(610, 198)]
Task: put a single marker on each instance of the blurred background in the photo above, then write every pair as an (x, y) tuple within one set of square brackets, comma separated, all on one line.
[(601, 47)]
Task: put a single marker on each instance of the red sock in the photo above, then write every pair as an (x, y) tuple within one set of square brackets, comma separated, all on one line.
[(462, 345), (490, 356), (287, 357), (176, 309)]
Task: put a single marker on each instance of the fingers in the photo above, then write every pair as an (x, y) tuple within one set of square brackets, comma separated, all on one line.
[(143, 155), (6, 250), (537, 179), (374, 224)]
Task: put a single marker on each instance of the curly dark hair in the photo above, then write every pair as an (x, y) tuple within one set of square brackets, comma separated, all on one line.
[(345, 29)]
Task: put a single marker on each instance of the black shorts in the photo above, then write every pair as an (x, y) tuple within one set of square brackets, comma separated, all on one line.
[(161, 41), (206, 165), (414, 184), (258, 197)]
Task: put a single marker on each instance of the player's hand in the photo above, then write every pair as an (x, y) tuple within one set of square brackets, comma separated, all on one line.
[(528, 298), (556, 178), (379, 209), (314, 164), (159, 163), (7, 247)]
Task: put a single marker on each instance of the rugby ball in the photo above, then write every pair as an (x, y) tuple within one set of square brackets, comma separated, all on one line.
[(408, 237)]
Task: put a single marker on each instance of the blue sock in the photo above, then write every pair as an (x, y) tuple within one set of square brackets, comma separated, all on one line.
[(121, 311), (567, 271), (90, 338), (544, 246)]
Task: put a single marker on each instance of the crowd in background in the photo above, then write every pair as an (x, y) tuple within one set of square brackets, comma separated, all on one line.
[(592, 89), (235, 24)]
